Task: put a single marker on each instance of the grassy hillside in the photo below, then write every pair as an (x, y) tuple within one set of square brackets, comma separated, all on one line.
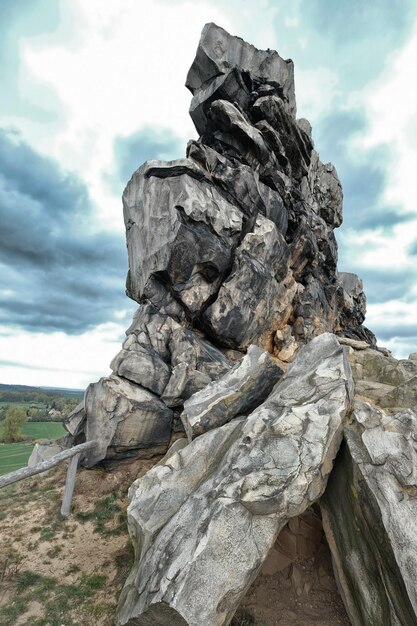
[(56, 572), (43, 430), (15, 455)]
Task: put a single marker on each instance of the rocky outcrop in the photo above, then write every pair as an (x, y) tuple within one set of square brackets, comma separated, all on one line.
[(43, 451), (238, 392), (231, 246), (369, 514), (387, 382), (233, 261), (204, 519)]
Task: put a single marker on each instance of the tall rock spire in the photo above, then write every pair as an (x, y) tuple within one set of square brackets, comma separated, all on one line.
[(231, 246)]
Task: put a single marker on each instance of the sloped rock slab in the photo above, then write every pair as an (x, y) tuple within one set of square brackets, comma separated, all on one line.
[(387, 382), (43, 452), (369, 516), (240, 391), (204, 520)]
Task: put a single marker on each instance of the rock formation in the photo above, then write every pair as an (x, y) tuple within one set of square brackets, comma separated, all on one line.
[(240, 366), (208, 514), (370, 506), (231, 246)]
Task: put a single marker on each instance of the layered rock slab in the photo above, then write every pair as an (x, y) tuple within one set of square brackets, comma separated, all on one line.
[(369, 516), (387, 382), (122, 416), (205, 518), (240, 391), (218, 52)]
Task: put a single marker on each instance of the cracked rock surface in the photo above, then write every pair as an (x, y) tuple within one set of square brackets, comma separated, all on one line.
[(369, 516), (238, 392), (204, 519), (229, 246)]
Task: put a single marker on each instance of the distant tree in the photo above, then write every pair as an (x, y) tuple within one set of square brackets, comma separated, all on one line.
[(14, 418)]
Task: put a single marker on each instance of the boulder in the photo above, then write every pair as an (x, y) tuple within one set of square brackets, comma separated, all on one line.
[(180, 229), (43, 452), (204, 520), (122, 417), (369, 516), (238, 392), (388, 382), (75, 421), (258, 291)]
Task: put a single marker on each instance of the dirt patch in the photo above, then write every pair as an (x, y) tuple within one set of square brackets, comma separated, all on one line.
[(56, 572), (296, 585), (273, 601)]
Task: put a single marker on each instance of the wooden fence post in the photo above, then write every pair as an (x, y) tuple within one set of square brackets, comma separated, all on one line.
[(73, 453), (69, 485)]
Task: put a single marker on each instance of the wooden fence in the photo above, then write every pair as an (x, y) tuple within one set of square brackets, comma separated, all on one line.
[(72, 453)]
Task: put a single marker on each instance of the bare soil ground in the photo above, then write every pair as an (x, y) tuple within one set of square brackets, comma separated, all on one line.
[(56, 572)]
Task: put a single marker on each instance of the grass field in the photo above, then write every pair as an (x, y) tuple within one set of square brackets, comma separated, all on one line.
[(16, 455), (43, 430)]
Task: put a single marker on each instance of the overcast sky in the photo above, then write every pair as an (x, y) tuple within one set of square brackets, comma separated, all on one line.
[(90, 89)]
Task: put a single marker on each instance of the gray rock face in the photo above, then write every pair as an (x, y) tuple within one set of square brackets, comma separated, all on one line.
[(238, 392), (387, 382), (218, 53), (230, 246), (43, 452), (122, 416), (204, 519), (181, 227), (369, 515), (233, 261)]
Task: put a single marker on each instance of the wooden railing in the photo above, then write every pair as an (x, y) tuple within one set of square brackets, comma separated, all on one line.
[(72, 453)]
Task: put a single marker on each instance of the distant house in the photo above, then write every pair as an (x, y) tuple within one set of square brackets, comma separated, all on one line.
[(55, 413)]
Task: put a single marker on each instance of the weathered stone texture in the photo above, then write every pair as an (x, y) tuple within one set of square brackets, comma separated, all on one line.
[(123, 416), (233, 262), (388, 382), (238, 392), (204, 520), (229, 246), (369, 514)]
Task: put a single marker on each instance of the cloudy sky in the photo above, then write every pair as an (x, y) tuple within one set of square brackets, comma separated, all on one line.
[(89, 90)]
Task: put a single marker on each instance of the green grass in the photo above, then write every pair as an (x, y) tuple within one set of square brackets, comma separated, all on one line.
[(56, 598), (105, 510), (43, 430), (13, 456)]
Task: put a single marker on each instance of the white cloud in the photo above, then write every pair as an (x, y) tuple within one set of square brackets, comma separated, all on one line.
[(391, 103), (125, 71), (376, 249), (315, 90), (57, 359), (394, 316)]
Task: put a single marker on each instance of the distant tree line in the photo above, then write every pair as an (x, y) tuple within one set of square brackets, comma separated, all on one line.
[(39, 408), (37, 397)]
